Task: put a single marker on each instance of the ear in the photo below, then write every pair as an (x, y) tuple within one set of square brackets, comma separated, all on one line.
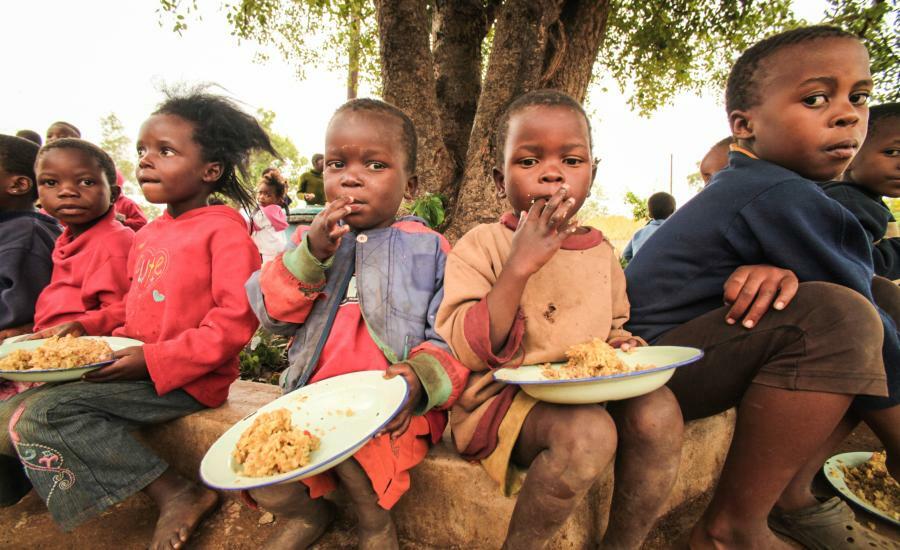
[(20, 186), (499, 180), (741, 123), (114, 192), (412, 188), (213, 172)]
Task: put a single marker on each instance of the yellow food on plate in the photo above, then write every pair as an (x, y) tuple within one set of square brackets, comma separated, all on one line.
[(587, 360), (870, 482), (58, 353), (271, 445)]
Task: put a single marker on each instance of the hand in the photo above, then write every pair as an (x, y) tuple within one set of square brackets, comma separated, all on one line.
[(627, 343), (12, 332), (541, 232), (325, 233), (400, 423), (752, 289), (309, 196), (120, 217), (130, 365), (74, 328)]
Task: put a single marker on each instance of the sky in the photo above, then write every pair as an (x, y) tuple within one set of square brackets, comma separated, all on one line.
[(80, 61)]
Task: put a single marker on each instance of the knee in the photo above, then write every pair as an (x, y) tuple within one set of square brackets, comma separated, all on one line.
[(838, 308), (654, 418), (278, 497), (585, 443)]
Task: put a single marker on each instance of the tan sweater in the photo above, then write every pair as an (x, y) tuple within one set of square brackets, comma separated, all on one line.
[(578, 295)]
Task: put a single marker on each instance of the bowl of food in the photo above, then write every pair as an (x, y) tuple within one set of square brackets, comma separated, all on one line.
[(862, 478), (595, 373), (58, 359)]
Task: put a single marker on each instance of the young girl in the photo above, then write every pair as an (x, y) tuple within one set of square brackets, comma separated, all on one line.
[(522, 291), (269, 221), (186, 303)]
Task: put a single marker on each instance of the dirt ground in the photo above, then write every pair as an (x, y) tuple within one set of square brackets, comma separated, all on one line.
[(234, 526)]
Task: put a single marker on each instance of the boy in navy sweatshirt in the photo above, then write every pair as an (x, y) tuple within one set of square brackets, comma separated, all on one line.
[(806, 374)]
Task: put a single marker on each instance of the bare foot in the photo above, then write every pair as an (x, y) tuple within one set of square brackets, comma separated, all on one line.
[(702, 539), (180, 514), (299, 533)]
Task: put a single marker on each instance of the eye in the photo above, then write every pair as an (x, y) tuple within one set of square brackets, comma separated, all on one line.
[(528, 162), (167, 152), (859, 98), (47, 183), (815, 100), (86, 182), (375, 165), (335, 164), (141, 151), (892, 152), (573, 161)]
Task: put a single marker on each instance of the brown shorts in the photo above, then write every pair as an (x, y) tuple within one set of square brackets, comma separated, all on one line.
[(828, 339)]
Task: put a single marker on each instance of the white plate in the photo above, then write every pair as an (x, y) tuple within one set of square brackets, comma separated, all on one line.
[(835, 476), (321, 409), (576, 391), (59, 375)]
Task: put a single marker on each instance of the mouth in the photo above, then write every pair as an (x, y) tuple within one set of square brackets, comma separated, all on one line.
[(843, 149)]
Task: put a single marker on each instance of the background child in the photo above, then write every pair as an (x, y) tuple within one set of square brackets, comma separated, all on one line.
[(62, 129), (523, 291), (716, 159), (312, 186), (186, 303), (660, 206), (30, 135), (875, 173), (90, 260), (797, 107), (26, 238), (268, 223), (352, 263)]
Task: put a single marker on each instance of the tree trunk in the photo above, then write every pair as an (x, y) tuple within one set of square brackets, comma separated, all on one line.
[(584, 24), (408, 79), (353, 54)]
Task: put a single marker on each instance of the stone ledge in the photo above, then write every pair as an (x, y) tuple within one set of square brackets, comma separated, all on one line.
[(453, 503)]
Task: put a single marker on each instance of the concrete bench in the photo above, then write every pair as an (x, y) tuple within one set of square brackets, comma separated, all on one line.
[(453, 503)]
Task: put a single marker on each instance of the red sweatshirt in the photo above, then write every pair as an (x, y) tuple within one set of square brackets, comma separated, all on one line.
[(90, 278), (134, 216), (187, 301)]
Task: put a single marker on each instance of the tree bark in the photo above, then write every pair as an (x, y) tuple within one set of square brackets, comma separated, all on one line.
[(353, 54), (408, 79), (584, 24)]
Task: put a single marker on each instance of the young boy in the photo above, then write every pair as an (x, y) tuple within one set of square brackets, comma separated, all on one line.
[(380, 280), (660, 206), (875, 173), (797, 107), (62, 129), (716, 159), (312, 188), (26, 238)]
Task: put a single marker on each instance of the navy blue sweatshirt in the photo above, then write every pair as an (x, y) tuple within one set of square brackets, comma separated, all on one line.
[(753, 212), (26, 246), (875, 217)]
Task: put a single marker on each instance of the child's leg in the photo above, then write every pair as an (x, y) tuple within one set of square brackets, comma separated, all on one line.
[(886, 422), (650, 436), (305, 518), (566, 448), (375, 526), (75, 444)]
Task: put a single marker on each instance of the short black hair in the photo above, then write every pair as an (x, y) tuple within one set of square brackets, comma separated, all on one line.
[(225, 133), (660, 205), (879, 114), (409, 138), (31, 136), (17, 156), (67, 125), (544, 97), (272, 177), (318, 156), (741, 91), (102, 157)]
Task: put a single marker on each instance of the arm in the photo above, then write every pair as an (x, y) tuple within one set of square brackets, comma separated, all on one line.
[(23, 275), (103, 292), (621, 309), (628, 253), (886, 255), (134, 216)]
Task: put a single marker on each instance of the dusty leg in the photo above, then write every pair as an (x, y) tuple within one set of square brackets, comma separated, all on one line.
[(182, 506), (305, 519), (774, 437), (375, 526), (566, 449), (886, 425), (650, 436)]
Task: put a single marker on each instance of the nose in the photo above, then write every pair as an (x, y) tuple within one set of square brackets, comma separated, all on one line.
[(144, 160), (68, 189), (351, 178), (552, 173), (846, 113)]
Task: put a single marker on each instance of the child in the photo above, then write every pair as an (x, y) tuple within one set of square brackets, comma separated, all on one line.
[(715, 160), (128, 212), (660, 207), (797, 107), (76, 186), (380, 280), (874, 173), (268, 223), (62, 129), (188, 306), (30, 135), (312, 188), (523, 291)]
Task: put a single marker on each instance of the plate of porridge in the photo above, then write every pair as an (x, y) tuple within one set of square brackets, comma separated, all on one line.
[(862, 478), (305, 432), (58, 359), (596, 372)]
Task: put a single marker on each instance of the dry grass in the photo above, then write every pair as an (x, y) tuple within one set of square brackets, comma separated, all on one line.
[(618, 229)]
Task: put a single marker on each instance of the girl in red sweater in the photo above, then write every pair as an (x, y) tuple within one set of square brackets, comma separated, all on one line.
[(186, 303)]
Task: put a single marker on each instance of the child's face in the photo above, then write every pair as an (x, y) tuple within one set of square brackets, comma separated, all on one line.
[(265, 195), (715, 160), (171, 168), (812, 113), (73, 188), (59, 131), (546, 146), (365, 159), (877, 165)]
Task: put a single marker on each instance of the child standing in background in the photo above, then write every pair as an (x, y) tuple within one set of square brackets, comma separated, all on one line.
[(660, 206), (268, 223), (186, 303), (312, 187), (62, 129)]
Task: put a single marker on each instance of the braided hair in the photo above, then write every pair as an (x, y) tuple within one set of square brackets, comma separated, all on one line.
[(547, 98), (741, 91), (226, 134), (383, 107)]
